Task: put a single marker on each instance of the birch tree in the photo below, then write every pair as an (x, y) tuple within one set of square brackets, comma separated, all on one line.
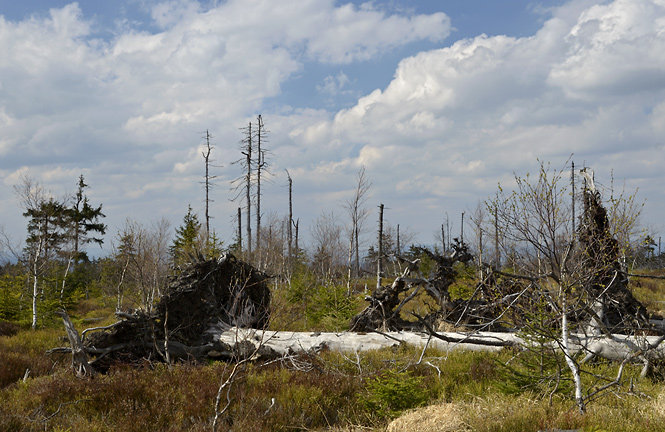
[(559, 278), (46, 232)]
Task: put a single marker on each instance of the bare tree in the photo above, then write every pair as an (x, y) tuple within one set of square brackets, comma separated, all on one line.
[(273, 255), (261, 170), (478, 220), (144, 256), (580, 284), (624, 216), (357, 214), (327, 248), (208, 180), (379, 260), (290, 221), (443, 235), (243, 184)]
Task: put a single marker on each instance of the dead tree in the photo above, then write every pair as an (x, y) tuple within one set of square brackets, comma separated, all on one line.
[(261, 170), (243, 184), (379, 267), (80, 365), (206, 298), (208, 181), (386, 303), (289, 231)]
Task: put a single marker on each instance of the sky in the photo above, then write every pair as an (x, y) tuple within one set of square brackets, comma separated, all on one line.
[(439, 101)]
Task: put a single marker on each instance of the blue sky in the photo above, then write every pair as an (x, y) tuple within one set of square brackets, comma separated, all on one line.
[(439, 100)]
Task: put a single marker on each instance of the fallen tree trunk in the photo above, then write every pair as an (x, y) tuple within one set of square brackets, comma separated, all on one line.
[(280, 343), (235, 344)]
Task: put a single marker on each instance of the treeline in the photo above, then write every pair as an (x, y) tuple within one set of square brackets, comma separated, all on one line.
[(51, 268)]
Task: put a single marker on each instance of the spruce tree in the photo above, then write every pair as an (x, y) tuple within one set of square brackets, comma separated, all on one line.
[(84, 220), (186, 239)]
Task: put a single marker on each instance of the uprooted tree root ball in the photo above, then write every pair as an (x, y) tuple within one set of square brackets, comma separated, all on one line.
[(205, 298)]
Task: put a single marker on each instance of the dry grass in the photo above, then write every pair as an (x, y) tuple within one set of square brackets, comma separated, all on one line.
[(434, 418), (650, 291)]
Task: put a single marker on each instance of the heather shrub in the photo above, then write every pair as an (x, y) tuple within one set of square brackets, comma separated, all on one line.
[(24, 354)]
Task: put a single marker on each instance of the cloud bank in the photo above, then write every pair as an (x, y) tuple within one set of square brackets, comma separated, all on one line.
[(128, 111)]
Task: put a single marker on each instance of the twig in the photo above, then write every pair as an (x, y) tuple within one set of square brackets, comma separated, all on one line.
[(422, 354), (45, 419)]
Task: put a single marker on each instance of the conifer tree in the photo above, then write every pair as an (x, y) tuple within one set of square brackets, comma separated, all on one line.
[(84, 220), (186, 238)]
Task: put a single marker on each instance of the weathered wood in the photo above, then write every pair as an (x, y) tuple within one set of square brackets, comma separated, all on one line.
[(618, 348), (385, 306), (80, 364), (235, 344), (286, 343)]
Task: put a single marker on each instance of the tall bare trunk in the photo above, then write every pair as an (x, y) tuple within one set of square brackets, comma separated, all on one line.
[(379, 267)]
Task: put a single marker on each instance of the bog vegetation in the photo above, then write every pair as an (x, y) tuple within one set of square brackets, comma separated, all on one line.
[(320, 287)]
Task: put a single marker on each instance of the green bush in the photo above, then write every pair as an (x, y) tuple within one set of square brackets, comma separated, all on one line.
[(332, 308), (391, 393), (13, 305)]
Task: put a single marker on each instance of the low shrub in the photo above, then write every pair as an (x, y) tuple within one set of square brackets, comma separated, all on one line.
[(392, 392)]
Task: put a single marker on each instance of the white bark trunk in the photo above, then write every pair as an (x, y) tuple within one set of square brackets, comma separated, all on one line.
[(283, 342), (35, 292), (619, 348), (572, 365)]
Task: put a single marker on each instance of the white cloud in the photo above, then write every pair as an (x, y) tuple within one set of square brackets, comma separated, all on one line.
[(614, 48), (333, 85), (129, 110), (453, 121), (351, 34)]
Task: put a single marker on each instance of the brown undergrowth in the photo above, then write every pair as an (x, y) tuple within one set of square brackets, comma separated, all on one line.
[(330, 391)]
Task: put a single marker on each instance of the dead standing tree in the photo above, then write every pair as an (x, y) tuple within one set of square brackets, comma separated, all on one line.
[(208, 180), (261, 170), (289, 230), (254, 167), (615, 307), (243, 184)]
